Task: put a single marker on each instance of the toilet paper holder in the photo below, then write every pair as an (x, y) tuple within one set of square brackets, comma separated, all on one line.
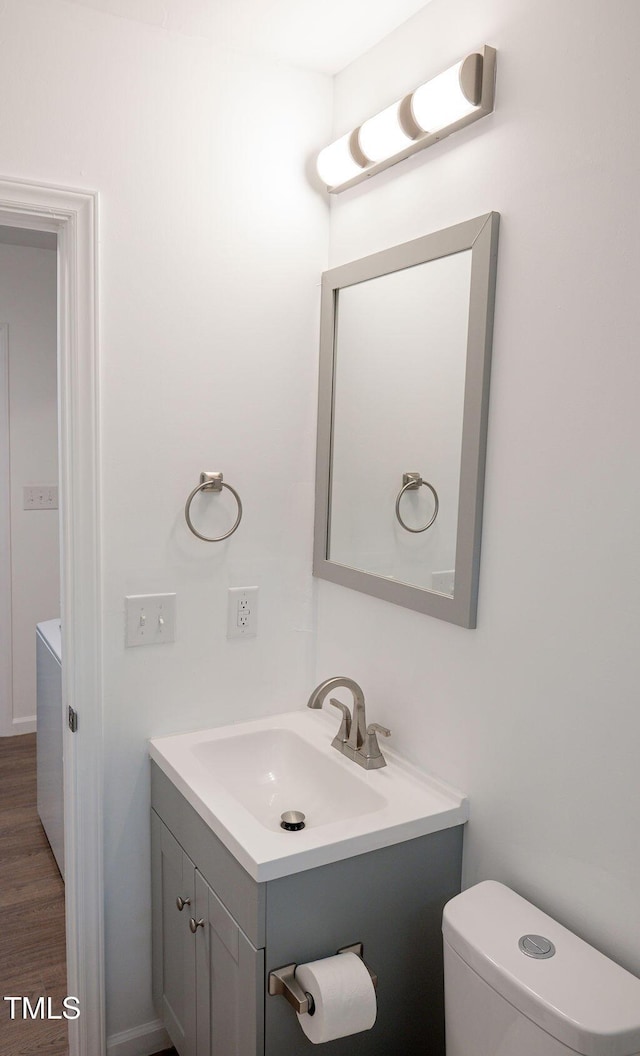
[(282, 981)]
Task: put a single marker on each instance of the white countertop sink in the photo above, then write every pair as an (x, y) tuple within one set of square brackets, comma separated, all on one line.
[(241, 778)]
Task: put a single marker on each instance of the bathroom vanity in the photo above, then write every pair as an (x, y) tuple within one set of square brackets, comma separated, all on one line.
[(229, 907)]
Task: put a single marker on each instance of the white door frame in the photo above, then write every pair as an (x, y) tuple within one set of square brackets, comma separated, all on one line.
[(72, 215), (6, 637)]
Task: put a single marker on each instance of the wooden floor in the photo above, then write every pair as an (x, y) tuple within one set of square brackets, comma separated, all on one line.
[(32, 933)]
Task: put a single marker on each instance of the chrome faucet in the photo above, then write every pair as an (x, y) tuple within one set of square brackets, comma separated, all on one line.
[(354, 739)]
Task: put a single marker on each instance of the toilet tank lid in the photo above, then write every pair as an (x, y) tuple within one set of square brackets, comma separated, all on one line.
[(579, 996)]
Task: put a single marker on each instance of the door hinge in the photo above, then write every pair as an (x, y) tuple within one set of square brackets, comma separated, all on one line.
[(73, 720)]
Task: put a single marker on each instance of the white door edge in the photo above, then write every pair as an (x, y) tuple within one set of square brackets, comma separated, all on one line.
[(6, 667)]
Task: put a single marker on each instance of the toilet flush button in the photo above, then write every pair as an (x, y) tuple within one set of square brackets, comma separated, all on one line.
[(536, 946)]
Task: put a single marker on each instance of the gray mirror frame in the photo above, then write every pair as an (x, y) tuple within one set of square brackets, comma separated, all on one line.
[(479, 235)]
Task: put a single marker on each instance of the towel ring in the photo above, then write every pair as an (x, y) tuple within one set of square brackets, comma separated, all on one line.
[(411, 482), (212, 482)]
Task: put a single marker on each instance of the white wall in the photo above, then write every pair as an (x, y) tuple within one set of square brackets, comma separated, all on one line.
[(28, 307), (211, 245), (535, 714)]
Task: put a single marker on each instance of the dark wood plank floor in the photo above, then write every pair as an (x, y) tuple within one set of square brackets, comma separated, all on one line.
[(32, 926)]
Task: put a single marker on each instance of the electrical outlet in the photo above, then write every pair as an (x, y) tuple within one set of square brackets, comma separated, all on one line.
[(242, 612), (150, 619)]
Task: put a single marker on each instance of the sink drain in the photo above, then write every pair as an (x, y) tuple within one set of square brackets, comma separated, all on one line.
[(292, 820)]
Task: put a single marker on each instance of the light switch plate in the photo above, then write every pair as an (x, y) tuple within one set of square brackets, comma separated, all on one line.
[(40, 497), (150, 619)]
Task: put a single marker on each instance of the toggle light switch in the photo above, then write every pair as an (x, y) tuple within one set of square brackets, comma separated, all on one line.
[(40, 497), (150, 619)]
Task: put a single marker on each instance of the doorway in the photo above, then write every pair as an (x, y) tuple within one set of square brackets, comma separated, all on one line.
[(32, 912), (30, 554), (71, 217)]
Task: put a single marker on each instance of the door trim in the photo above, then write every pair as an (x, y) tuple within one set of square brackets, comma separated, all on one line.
[(6, 642), (72, 214)]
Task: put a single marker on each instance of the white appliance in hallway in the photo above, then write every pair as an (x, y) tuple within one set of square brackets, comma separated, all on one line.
[(49, 735)]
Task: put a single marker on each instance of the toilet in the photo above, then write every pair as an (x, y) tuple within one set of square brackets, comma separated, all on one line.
[(517, 983)]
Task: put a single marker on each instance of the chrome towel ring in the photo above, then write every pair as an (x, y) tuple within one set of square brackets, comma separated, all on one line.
[(411, 482), (212, 482)]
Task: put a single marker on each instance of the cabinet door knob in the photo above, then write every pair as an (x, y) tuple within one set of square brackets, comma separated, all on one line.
[(182, 902), (195, 924)]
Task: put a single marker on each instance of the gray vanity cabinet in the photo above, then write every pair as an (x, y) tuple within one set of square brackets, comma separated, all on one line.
[(229, 973), (207, 976), (210, 987), (174, 976)]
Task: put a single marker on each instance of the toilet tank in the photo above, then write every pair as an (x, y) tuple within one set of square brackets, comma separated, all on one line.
[(501, 1001)]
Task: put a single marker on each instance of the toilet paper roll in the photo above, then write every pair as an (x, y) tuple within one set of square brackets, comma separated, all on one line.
[(344, 997)]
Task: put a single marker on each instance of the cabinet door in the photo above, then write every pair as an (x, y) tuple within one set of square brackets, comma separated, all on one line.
[(174, 985), (230, 982)]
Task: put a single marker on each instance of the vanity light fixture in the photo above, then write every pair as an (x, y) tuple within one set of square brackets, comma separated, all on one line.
[(462, 94), (342, 160)]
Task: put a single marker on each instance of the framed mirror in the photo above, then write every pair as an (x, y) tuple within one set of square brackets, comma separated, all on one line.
[(405, 349)]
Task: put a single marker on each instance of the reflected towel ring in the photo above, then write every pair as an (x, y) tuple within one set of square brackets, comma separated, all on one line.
[(212, 482), (411, 482)]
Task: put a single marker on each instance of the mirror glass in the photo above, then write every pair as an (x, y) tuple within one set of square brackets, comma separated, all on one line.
[(396, 415), (402, 420)]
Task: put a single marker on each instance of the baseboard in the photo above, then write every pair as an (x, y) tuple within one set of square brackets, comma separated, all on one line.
[(27, 725), (140, 1041)]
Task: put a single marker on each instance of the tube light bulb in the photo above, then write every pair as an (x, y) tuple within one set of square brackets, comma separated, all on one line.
[(382, 136), (441, 102), (336, 164)]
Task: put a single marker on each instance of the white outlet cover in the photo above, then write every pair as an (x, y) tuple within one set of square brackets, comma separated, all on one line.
[(242, 612), (150, 619)]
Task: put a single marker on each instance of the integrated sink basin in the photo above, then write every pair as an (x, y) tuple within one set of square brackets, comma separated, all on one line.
[(275, 770), (240, 779)]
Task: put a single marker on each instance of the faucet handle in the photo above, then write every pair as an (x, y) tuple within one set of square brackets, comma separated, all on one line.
[(371, 749), (375, 727), (342, 736)]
